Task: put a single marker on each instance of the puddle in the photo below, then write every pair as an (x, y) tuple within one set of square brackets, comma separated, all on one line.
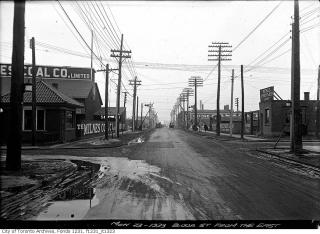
[(138, 140), (123, 189), (103, 141)]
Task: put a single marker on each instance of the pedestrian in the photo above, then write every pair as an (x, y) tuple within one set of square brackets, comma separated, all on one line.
[(205, 128)]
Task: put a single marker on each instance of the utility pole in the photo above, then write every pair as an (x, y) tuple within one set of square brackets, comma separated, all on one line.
[(318, 104), (231, 111), (34, 92), (296, 131), (106, 105), (125, 99), (237, 104), (134, 83), (13, 159), (242, 104), (106, 100), (141, 115), (91, 57), (195, 81), (223, 55), (120, 55), (137, 118)]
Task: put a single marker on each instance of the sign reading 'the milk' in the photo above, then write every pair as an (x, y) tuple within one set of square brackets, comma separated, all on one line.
[(50, 72)]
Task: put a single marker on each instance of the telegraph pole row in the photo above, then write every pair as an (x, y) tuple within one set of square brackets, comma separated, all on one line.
[(120, 55), (221, 56), (195, 81), (188, 92), (134, 83)]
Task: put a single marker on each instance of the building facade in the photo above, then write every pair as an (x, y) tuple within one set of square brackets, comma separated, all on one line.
[(275, 115), (73, 84), (55, 116)]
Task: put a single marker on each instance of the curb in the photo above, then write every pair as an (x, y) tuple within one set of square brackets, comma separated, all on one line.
[(75, 148), (290, 159), (88, 147)]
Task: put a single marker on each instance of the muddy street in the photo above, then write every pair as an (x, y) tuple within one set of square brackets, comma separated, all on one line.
[(173, 175)]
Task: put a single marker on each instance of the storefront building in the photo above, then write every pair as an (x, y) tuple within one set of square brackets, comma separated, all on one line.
[(100, 115), (73, 84), (275, 114), (55, 116)]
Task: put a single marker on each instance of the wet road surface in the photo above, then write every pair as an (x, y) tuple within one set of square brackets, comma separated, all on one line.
[(178, 175)]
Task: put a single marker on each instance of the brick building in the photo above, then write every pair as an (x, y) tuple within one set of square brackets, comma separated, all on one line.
[(275, 116), (72, 84), (55, 115)]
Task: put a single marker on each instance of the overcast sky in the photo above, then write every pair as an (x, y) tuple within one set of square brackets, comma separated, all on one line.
[(174, 35)]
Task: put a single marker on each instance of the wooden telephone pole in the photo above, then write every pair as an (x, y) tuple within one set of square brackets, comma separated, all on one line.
[(141, 116), (295, 129), (13, 159), (231, 111), (106, 100), (120, 55), (195, 81), (318, 105), (242, 103), (134, 83), (34, 92), (137, 115), (220, 55)]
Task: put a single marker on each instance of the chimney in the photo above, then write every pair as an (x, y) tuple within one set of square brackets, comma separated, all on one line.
[(202, 106), (307, 96)]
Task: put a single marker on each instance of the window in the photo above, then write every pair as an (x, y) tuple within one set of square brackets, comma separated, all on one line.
[(40, 120), (55, 85), (27, 120), (267, 116), (70, 123)]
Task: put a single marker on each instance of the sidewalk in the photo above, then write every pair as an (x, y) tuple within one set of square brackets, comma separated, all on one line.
[(257, 138), (310, 158), (93, 142)]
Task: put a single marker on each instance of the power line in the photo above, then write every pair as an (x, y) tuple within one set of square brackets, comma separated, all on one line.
[(256, 27)]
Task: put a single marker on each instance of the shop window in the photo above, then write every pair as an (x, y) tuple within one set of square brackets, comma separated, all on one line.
[(70, 121), (40, 120), (27, 120), (267, 116)]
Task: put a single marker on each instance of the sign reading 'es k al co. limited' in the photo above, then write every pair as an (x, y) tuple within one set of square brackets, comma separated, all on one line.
[(49, 72)]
